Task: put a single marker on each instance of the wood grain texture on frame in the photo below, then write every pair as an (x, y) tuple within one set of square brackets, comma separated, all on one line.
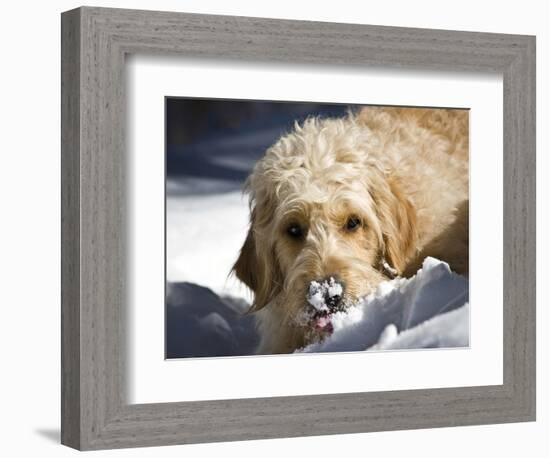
[(95, 411)]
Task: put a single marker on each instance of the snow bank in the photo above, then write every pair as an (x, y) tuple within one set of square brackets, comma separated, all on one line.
[(204, 234), (451, 329), (425, 311), (200, 323)]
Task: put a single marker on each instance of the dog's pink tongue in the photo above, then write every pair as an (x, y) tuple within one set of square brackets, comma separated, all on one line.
[(324, 324)]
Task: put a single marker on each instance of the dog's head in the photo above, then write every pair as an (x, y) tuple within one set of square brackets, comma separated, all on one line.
[(322, 213)]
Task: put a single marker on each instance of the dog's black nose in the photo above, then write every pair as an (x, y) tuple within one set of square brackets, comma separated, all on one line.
[(334, 293), (326, 294)]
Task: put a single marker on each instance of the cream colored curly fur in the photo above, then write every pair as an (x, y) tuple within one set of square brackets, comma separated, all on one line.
[(401, 172)]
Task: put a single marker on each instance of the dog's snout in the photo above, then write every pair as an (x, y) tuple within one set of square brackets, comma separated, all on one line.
[(326, 293), (334, 292)]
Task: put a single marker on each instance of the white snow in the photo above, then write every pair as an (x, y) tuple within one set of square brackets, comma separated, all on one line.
[(388, 335), (448, 330), (334, 289), (204, 234), (405, 313), (316, 297)]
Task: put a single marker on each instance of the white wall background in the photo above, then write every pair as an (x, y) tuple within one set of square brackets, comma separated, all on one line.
[(29, 228)]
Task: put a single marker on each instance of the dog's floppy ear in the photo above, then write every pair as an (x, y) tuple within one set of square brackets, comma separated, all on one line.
[(398, 223), (256, 268), (246, 267)]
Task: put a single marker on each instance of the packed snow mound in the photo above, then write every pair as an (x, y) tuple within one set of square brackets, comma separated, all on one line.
[(428, 310), (447, 330), (200, 323)]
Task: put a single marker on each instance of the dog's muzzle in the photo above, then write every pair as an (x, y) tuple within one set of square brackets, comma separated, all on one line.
[(325, 297)]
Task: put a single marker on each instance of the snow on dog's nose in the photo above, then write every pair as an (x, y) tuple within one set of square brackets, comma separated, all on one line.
[(325, 295), (325, 298)]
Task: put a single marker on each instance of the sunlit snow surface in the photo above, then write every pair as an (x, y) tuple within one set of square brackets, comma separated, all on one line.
[(429, 310)]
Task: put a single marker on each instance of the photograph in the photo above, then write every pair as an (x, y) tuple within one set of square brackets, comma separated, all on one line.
[(310, 227)]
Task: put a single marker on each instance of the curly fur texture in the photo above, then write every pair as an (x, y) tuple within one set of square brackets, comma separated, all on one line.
[(400, 173)]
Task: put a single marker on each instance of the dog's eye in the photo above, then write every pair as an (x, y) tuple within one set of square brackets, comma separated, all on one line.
[(353, 223), (295, 231)]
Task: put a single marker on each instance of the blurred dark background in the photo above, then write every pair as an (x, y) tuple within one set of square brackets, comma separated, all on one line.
[(212, 144)]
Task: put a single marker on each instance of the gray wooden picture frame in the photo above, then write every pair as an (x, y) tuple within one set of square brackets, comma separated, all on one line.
[(95, 412)]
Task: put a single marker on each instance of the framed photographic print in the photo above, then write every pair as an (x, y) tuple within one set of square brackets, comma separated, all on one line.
[(286, 228), (339, 204)]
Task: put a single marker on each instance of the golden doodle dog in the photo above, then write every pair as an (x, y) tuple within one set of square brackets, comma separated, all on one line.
[(340, 205)]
